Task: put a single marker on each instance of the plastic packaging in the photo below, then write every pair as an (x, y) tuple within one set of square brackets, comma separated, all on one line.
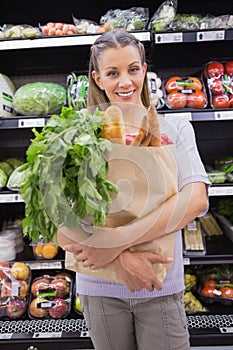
[(58, 29), (7, 90), (50, 297), (218, 76), (14, 292), (163, 16), (184, 92), (19, 31), (42, 250), (39, 98), (216, 288), (134, 18), (155, 89)]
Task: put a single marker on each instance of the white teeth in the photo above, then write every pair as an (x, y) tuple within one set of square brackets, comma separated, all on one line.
[(125, 94)]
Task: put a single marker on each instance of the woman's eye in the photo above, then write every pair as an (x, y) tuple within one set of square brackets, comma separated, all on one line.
[(134, 69), (112, 74)]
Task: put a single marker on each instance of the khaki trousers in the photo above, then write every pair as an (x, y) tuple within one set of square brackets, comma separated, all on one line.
[(136, 324)]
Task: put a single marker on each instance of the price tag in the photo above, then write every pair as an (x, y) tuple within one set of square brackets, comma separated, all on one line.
[(11, 198), (47, 335), (168, 38), (226, 330), (186, 115), (6, 335), (223, 115), (186, 261), (210, 36), (34, 265), (84, 334), (31, 122), (142, 36), (221, 191)]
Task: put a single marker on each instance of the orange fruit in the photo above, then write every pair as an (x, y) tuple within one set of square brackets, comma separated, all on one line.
[(49, 251), (38, 250)]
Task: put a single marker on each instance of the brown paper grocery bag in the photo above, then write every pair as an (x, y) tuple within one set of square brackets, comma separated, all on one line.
[(146, 177)]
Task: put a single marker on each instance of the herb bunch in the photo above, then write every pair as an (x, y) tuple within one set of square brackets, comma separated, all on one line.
[(66, 174)]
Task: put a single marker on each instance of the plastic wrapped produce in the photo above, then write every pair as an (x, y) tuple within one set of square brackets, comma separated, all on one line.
[(14, 292), (39, 98), (7, 90), (163, 16), (219, 80), (185, 92)]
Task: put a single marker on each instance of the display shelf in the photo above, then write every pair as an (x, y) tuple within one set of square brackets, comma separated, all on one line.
[(72, 40), (193, 37), (219, 249)]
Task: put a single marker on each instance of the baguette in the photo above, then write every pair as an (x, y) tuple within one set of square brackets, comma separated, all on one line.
[(141, 134), (154, 127), (114, 127)]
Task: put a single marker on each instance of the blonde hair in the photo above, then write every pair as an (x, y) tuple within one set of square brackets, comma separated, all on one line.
[(112, 39)]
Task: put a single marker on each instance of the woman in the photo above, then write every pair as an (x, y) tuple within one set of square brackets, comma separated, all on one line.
[(142, 313)]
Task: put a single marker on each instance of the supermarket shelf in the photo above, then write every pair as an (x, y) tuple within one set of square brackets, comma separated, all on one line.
[(73, 40), (20, 122), (219, 249), (192, 37)]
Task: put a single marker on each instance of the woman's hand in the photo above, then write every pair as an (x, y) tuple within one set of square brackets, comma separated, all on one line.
[(95, 258), (136, 271)]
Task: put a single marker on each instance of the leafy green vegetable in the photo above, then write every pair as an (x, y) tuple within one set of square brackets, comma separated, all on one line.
[(77, 89), (67, 174), (7, 168), (3, 178), (17, 178), (39, 98), (225, 208)]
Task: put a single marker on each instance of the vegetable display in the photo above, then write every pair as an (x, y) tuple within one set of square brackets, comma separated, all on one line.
[(219, 79), (66, 165), (77, 89), (39, 98)]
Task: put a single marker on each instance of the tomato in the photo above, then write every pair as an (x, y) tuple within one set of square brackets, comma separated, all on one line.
[(176, 99), (208, 291), (216, 87), (227, 292), (197, 85), (221, 101), (196, 99), (209, 283), (229, 68), (171, 83), (215, 69), (231, 100)]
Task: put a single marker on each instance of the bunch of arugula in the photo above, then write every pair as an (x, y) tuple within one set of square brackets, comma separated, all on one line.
[(66, 173)]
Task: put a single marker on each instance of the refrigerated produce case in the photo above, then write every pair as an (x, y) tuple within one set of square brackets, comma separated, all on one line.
[(52, 59)]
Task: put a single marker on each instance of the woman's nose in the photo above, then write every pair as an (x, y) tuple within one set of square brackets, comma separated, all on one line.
[(124, 81)]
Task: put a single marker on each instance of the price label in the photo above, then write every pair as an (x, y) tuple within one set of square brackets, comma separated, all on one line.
[(11, 198), (6, 335), (226, 330), (84, 334), (34, 265), (186, 115), (210, 36), (186, 261), (168, 38), (31, 122), (223, 115), (221, 191), (142, 36), (47, 335)]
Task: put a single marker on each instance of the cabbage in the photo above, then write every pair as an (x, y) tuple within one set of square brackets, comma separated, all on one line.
[(39, 98), (17, 178), (3, 178)]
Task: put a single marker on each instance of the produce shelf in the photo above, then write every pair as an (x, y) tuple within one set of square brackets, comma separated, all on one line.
[(72, 40), (192, 37)]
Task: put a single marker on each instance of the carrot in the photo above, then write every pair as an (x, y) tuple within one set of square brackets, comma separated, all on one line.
[(154, 127)]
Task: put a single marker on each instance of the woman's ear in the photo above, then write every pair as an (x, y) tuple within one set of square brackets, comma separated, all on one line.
[(97, 80)]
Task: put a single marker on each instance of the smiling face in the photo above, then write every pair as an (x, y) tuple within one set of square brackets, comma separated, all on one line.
[(121, 74)]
